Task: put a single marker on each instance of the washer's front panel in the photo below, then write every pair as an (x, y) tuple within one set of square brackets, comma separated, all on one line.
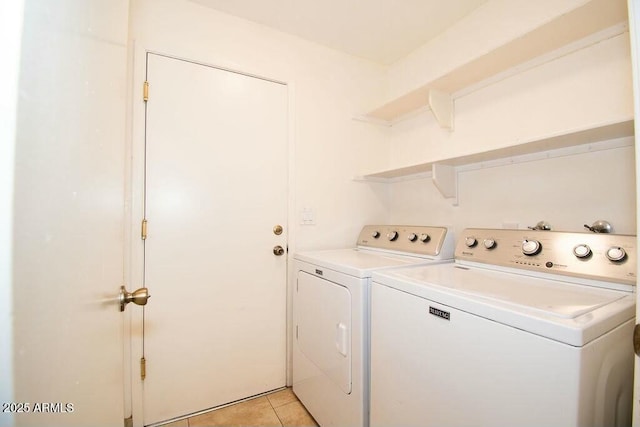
[(436, 366)]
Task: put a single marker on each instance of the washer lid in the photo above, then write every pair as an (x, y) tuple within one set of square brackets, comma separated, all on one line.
[(571, 313), (358, 262), (552, 297)]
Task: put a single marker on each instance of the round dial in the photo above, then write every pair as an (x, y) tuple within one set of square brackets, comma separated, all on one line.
[(582, 251), (616, 254), (412, 237), (375, 234), (424, 237), (393, 235), (470, 241), (531, 247), (489, 243)]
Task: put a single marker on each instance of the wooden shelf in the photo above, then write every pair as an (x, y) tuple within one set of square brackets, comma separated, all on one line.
[(443, 171), (579, 28)]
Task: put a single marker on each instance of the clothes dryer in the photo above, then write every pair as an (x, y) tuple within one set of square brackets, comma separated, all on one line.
[(331, 316)]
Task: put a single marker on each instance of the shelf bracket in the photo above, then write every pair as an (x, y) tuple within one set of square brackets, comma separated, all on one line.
[(445, 178), (441, 105)]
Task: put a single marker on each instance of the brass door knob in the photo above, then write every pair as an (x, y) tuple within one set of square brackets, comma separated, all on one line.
[(138, 297), (278, 250)]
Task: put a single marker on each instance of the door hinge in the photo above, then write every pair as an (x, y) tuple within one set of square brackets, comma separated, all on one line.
[(143, 230), (143, 368), (145, 91), (128, 422)]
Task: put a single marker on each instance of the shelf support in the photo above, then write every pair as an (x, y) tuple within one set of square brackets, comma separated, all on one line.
[(441, 105), (445, 178)]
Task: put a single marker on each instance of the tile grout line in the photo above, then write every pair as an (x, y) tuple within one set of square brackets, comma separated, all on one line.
[(273, 408), (274, 411)]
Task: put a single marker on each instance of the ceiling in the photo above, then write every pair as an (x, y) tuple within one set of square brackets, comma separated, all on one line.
[(380, 30)]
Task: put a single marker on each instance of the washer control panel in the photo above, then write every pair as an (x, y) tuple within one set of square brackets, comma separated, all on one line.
[(410, 239), (607, 257)]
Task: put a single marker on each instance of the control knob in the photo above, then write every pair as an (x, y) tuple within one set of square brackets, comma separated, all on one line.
[(424, 237), (412, 237), (616, 254), (393, 235), (375, 234), (531, 247), (582, 251), (489, 243), (470, 242)]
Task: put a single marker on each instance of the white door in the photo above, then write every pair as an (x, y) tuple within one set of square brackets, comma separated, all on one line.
[(216, 186), (67, 330), (634, 30)]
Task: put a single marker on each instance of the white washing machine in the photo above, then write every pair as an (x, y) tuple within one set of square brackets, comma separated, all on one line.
[(526, 328), (331, 316)]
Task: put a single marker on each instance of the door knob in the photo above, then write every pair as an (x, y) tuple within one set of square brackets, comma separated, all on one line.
[(138, 297), (636, 339), (278, 250)]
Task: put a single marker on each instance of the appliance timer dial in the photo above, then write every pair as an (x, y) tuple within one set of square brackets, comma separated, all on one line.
[(531, 247), (470, 241), (582, 251), (489, 243), (412, 237), (393, 235), (424, 237), (616, 254)]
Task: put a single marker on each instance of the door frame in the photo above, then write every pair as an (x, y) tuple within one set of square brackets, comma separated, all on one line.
[(11, 17), (633, 8), (134, 255)]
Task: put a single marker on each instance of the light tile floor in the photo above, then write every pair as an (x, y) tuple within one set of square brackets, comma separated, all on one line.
[(279, 409)]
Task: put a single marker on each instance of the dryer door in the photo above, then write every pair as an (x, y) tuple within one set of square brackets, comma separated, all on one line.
[(323, 312)]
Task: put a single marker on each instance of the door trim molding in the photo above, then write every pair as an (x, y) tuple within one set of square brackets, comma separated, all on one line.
[(217, 67)]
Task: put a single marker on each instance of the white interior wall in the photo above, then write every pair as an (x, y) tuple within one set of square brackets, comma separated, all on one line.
[(329, 88), (491, 25), (567, 192), (584, 89), (578, 91), (581, 90)]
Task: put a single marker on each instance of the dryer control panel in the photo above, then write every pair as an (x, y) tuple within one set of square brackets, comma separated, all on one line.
[(416, 240), (603, 257)]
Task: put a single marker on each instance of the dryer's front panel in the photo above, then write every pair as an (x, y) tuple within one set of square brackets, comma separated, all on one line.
[(323, 327), (330, 345)]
